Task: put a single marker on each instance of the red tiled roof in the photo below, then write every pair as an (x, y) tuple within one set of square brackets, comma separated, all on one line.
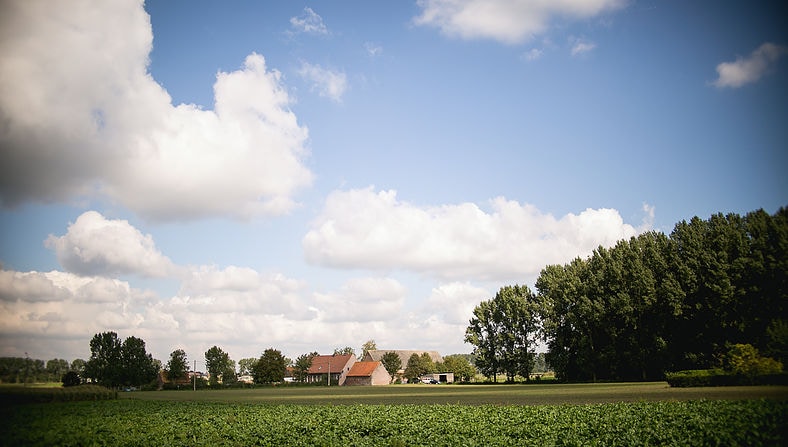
[(320, 363), (363, 369)]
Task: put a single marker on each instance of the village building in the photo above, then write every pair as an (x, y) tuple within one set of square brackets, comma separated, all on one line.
[(332, 369), (367, 373), (403, 354)]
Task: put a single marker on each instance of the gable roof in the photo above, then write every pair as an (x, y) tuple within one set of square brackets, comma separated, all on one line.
[(363, 369), (337, 363), (404, 355)]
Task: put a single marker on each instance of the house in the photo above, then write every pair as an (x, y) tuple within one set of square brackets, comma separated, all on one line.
[(367, 373), (330, 368), (404, 356)]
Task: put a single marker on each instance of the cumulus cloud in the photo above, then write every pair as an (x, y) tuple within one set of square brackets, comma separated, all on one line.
[(454, 302), (328, 83), (363, 228), (308, 22), (95, 245), (362, 300), (63, 305), (746, 70), (243, 290), (504, 20), (104, 126), (54, 314)]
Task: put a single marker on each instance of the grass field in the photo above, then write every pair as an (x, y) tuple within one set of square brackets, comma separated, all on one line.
[(547, 394), (411, 415)]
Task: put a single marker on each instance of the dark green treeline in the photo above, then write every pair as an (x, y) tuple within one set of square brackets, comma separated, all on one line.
[(657, 303)]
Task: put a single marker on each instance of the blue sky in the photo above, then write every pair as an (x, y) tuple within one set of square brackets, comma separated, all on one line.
[(308, 176)]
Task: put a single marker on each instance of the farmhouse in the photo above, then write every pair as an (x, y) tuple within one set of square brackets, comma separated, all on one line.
[(367, 373), (403, 354), (330, 368)]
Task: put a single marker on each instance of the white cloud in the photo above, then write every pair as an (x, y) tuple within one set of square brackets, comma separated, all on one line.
[(58, 305), (746, 70), (373, 49), (454, 302), (581, 46), (240, 290), (104, 126), (309, 22), (505, 20), (95, 245), (367, 229), (362, 300), (533, 54), (328, 83)]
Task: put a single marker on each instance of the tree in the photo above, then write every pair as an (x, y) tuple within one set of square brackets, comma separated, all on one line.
[(104, 365), (270, 367), (460, 366), (246, 366), (302, 365), (71, 378), (503, 331), (392, 363), (56, 368), (217, 362), (369, 345), (78, 366), (138, 367), (347, 350), (418, 365), (229, 375), (177, 366)]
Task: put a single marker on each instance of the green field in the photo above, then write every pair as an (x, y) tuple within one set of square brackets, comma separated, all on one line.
[(427, 415), (547, 394)]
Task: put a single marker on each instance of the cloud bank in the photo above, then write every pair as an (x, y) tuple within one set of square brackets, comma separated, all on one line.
[(506, 21), (83, 117), (746, 70), (363, 228)]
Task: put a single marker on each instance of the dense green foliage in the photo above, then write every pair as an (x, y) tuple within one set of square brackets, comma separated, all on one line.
[(459, 365), (27, 370), (502, 331), (658, 303), (71, 378), (114, 363), (270, 367), (219, 365), (24, 395), (178, 366), (130, 422), (302, 365), (391, 362), (418, 365)]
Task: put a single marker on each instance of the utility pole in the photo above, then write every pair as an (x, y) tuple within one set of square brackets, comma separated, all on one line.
[(194, 375), (329, 371)]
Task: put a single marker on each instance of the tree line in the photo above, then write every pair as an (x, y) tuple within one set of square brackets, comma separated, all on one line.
[(648, 305), (27, 370)]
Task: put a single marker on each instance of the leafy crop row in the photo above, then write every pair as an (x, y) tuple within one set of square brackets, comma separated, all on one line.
[(132, 423)]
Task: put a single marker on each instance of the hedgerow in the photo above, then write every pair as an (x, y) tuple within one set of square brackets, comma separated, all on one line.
[(19, 395), (135, 423)]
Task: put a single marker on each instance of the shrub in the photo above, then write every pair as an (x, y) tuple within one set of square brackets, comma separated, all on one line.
[(745, 360)]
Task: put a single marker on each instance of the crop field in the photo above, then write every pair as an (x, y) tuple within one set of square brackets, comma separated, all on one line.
[(610, 414), (544, 394)]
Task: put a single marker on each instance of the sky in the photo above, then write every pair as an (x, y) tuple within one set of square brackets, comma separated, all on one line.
[(311, 175)]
